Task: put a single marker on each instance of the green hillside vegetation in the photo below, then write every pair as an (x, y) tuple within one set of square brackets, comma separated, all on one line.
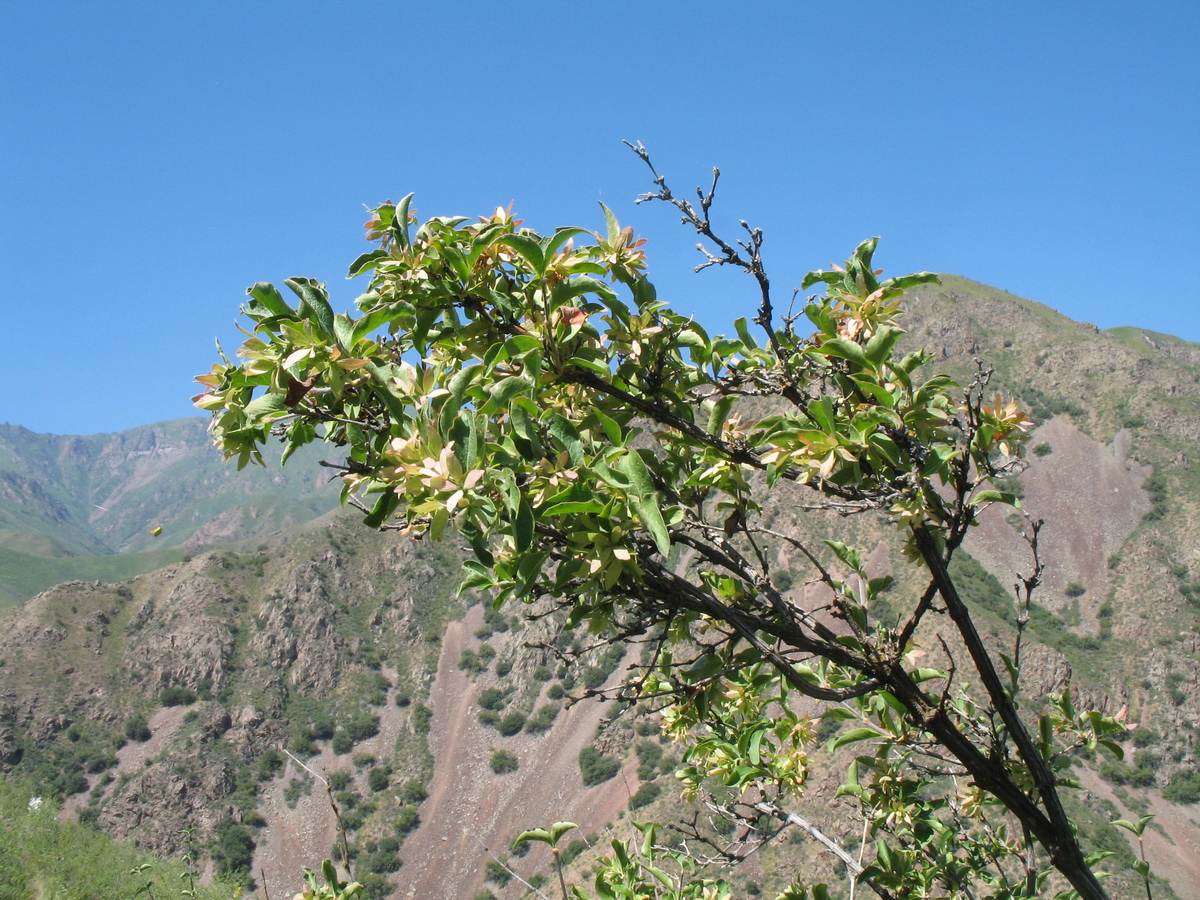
[(41, 857), (103, 494), (23, 575), (109, 507)]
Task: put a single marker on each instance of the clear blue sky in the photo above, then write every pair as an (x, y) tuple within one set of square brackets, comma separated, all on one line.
[(157, 158)]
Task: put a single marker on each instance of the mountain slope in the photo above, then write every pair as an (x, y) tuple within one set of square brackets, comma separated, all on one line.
[(83, 507), (300, 642)]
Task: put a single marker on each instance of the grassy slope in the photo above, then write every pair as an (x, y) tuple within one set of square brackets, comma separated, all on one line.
[(43, 857), (23, 575)]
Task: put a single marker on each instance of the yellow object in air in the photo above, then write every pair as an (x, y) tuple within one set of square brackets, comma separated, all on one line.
[(155, 531)]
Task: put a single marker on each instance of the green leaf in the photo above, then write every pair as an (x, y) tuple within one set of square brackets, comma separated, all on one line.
[(848, 555), (560, 237), (369, 324), (822, 413), (399, 227), (844, 349), (990, 496), (743, 331), (528, 248), (904, 282), (879, 347), (314, 304), (266, 405), (533, 834), (580, 284), (384, 506), (610, 220), (838, 713), (719, 415), (646, 503), (366, 262), (523, 526), (343, 329), (564, 432), (754, 748), (503, 393), (853, 736), (558, 829), (266, 296)]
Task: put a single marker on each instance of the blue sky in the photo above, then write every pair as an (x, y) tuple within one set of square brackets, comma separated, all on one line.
[(156, 159)]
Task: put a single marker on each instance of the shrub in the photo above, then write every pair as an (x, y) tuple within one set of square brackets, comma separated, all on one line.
[(176, 696), (1042, 449), (136, 729), (572, 851), (1184, 788), (511, 724), (379, 863), (413, 791), (498, 873), (379, 778), (649, 755), (555, 691), (1156, 487), (645, 795), (542, 720), (270, 764), (235, 849), (301, 744), (470, 662), (422, 716), (493, 698), (342, 742), (375, 886), (1075, 589), (495, 619), (297, 788), (595, 767), (322, 728), (1144, 737), (407, 819), (362, 726), (504, 762), (362, 760), (69, 783)]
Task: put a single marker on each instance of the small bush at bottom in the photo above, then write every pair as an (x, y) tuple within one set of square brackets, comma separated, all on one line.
[(504, 762), (595, 767), (645, 795)]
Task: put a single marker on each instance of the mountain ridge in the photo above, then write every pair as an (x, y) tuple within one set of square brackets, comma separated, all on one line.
[(281, 640)]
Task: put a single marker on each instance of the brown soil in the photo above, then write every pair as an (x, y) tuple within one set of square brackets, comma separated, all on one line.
[(471, 814), (1172, 840), (1107, 502), (302, 836)]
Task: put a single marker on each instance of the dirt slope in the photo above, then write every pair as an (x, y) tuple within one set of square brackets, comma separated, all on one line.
[(471, 813)]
